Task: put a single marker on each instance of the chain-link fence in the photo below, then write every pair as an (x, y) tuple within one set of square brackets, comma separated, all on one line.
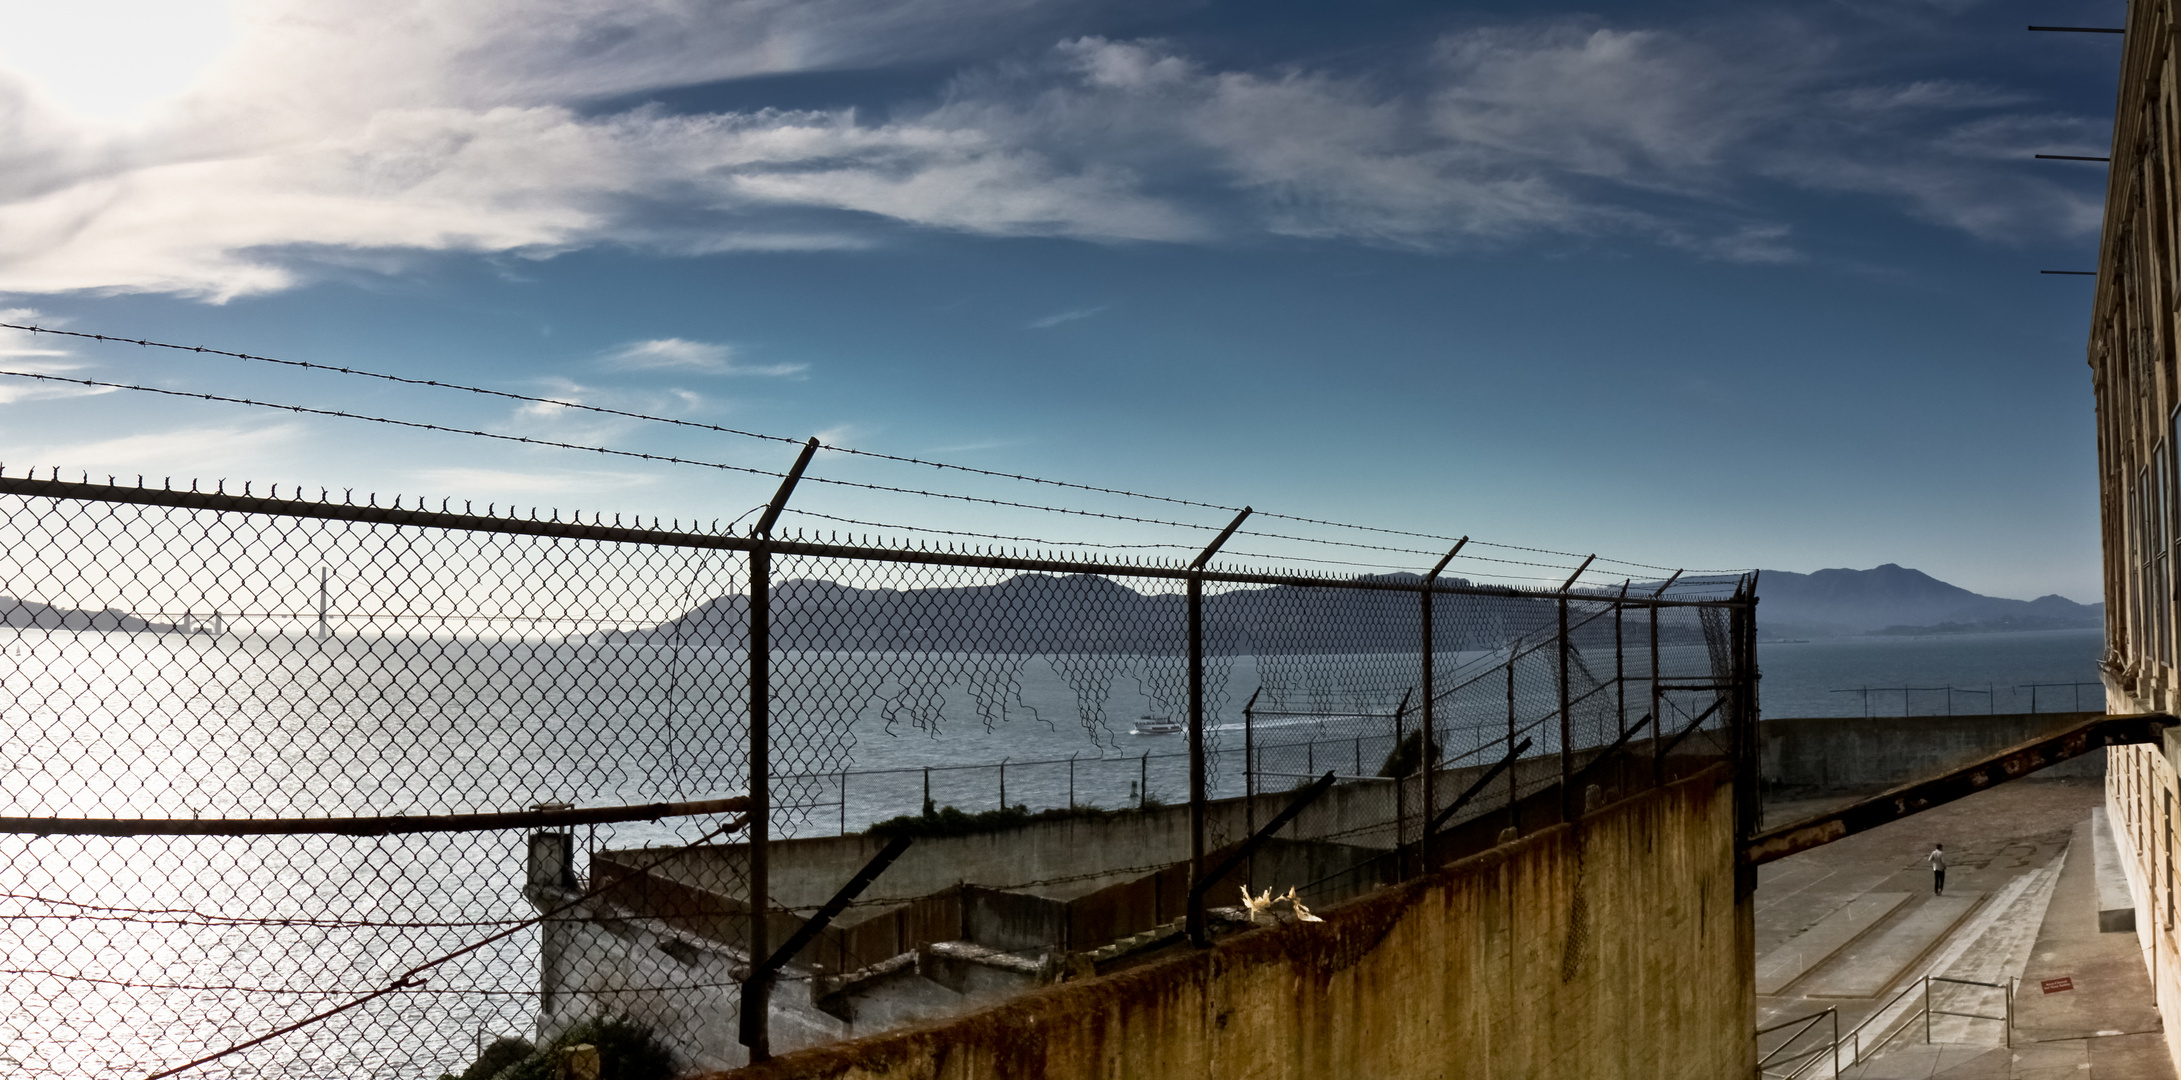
[(400, 786)]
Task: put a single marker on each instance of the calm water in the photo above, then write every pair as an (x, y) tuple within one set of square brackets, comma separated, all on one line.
[(122, 725), (1800, 679)]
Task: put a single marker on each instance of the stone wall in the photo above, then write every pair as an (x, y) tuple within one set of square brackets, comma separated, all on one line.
[(1613, 947)]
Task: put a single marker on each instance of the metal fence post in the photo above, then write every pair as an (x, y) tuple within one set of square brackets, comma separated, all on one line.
[(757, 988), (1620, 661), (1249, 760), (1199, 934), (1514, 813), (1748, 808), (1430, 718), (1658, 704), (1568, 802), (1003, 783)]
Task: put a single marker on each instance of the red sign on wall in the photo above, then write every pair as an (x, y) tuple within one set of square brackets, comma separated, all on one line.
[(2054, 986)]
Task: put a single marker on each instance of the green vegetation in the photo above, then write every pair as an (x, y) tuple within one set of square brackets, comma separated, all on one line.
[(948, 821), (1406, 758)]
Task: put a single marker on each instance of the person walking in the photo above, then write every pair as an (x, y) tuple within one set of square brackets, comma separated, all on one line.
[(1938, 869)]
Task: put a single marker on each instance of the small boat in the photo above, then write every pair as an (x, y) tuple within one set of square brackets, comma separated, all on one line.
[(1157, 725)]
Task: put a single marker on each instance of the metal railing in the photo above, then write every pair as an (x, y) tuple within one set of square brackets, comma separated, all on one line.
[(1866, 1039)]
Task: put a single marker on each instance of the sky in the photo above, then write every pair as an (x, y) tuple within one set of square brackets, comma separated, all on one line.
[(1691, 284)]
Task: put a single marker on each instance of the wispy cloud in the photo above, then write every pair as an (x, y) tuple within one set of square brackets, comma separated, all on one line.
[(1053, 320), (198, 451), (334, 133), (540, 483), (973, 447), (17, 344), (678, 354), (23, 351)]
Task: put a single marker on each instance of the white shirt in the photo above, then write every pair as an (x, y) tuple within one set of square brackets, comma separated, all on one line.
[(1938, 859)]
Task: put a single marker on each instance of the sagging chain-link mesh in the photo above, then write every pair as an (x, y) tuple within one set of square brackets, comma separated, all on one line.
[(1025, 721)]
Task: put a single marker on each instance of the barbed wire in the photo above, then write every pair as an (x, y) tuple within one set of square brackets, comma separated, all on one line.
[(981, 535), (648, 417), (306, 409), (418, 424), (720, 429)]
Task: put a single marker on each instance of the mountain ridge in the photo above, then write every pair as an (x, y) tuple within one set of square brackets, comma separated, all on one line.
[(1894, 599)]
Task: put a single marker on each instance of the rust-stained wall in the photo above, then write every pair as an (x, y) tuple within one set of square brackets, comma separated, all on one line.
[(1614, 947)]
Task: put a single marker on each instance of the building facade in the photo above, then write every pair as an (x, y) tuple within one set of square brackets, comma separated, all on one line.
[(2132, 358)]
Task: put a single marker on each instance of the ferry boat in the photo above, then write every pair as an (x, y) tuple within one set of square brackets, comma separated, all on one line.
[(1148, 724)]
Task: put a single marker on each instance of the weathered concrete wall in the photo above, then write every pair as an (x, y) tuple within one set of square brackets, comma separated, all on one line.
[(1848, 753), (1613, 947), (1066, 858)]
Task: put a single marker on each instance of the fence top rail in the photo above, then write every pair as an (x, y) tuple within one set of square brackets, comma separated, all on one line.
[(597, 530), (382, 825)]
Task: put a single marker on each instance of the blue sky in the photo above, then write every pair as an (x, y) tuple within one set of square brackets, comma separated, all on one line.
[(1690, 283)]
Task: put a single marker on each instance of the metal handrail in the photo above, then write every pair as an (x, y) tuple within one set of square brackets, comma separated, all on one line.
[(1779, 1053), (1854, 1038)]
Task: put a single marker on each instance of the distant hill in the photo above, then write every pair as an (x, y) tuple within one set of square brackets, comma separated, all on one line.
[(1893, 599), (31, 614)]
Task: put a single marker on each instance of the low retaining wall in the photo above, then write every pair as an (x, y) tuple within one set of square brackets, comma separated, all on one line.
[(1612, 947), (1856, 752)]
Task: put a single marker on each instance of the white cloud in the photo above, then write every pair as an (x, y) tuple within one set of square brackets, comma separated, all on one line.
[(198, 451), (1069, 316), (18, 344), (343, 131), (528, 483), (679, 354)]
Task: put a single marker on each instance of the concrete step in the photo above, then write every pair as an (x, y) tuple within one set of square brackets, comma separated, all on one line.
[(1781, 967), (1878, 960), (1133, 942), (1930, 1061)]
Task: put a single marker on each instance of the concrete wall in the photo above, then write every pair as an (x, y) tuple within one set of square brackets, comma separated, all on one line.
[(1613, 947), (1067, 858), (1849, 753)]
